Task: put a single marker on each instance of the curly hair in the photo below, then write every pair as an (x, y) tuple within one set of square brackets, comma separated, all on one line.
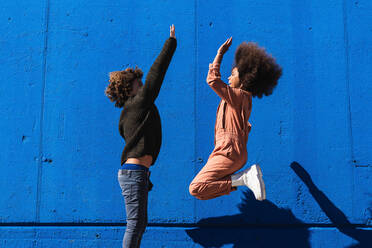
[(258, 70), (120, 86)]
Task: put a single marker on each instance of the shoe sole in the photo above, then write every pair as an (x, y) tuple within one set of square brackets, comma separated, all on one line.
[(262, 184)]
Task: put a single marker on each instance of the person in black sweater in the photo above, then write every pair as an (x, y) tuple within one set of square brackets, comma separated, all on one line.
[(140, 127)]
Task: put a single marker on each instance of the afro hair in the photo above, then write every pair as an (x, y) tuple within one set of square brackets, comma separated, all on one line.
[(258, 70)]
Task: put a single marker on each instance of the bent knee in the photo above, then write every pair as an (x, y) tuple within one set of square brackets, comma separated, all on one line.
[(195, 190)]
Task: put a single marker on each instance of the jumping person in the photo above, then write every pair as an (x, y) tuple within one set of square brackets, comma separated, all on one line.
[(255, 74), (140, 127)]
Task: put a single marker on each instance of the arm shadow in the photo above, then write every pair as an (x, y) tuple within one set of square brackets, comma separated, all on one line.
[(337, 217)]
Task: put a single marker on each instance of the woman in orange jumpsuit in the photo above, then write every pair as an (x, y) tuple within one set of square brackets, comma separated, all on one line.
[(255, 74)]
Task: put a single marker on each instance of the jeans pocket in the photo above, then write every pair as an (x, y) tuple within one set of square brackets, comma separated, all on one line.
[(139, 176), (138, 194)]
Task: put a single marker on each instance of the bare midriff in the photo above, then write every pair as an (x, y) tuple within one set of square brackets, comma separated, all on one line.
[(145, 160)]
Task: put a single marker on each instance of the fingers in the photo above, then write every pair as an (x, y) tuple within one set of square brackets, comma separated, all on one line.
[(229, 41), (225, 46), (226, 41), (172, 30)]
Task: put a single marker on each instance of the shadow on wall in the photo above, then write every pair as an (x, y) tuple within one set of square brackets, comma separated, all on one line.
[(246, 229), (337, 217)]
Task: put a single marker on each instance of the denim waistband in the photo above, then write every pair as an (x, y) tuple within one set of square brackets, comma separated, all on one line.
[(134, 167)]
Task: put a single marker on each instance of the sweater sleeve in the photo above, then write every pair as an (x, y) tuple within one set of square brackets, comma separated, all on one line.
[(155, 76), (230, 95)]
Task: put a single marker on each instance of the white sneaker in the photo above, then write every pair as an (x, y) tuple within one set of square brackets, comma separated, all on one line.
[(252, 178)]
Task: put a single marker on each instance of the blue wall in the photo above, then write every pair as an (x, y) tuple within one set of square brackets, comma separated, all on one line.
[(60, 147)]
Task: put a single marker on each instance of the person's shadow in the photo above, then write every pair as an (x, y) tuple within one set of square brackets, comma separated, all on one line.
[(247, 229), (337, 217)]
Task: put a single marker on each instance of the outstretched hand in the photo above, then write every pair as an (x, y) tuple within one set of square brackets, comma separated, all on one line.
[(225, 46), (172, 31)]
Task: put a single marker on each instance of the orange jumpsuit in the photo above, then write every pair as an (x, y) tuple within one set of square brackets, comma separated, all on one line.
[(231, 136)]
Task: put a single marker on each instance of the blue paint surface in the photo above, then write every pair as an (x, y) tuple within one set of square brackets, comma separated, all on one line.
[(61, 147), (177, 237)]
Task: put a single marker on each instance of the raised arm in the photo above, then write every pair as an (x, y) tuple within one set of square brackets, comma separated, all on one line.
[(214, 77), (221, 51), (155, 76)]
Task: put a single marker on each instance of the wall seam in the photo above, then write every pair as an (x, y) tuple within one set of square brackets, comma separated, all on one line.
[(347, 79), (44, 69), (347, 75), (195, 100)]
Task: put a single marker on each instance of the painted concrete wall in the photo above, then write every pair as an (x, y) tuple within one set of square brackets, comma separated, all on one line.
[(60, 147)]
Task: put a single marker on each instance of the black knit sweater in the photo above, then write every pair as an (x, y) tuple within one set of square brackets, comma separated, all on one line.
[(139, 123)]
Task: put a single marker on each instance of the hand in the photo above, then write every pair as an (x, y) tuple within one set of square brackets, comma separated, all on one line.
[(172, 31), (225, 46)]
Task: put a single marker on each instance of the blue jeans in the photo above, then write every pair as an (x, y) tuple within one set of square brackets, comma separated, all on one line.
[(134, 186)]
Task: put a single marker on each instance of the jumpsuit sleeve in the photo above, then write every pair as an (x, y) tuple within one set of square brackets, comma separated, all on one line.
[(230, 95)]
